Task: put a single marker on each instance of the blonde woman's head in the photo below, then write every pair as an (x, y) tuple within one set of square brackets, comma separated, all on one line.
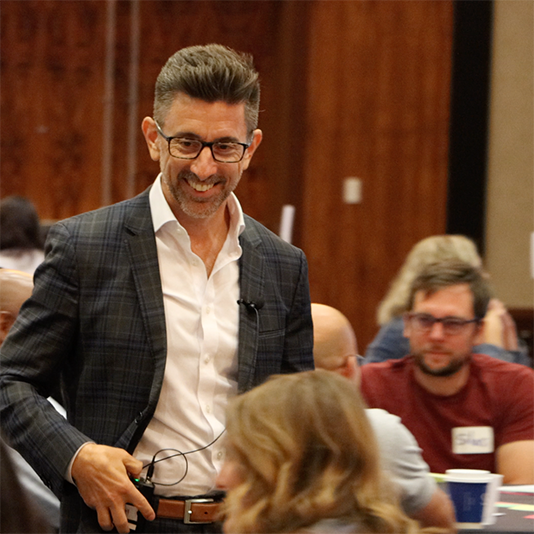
[(300, 449)]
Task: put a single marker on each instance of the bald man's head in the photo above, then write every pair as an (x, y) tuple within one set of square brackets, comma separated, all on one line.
[(15, 288), (334, 341)]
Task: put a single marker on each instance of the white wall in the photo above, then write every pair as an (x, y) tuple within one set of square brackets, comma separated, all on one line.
[(510, 205)]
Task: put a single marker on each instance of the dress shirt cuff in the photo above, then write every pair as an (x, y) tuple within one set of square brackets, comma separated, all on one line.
[(68, 474)]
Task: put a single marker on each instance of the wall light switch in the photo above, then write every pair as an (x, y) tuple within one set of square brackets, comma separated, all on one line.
[(352, 190)]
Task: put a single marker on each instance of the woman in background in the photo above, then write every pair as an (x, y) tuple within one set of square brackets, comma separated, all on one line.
[(499, 328), (302, 457), (21, 244)]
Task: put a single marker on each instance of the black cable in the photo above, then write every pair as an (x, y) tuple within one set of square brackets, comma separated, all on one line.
[(255, 307), (152, 464)]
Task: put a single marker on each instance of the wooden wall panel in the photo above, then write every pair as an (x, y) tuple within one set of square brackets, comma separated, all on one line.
[(258, 28), (51, 107), (58, 99), (377, 110), (357, 88)]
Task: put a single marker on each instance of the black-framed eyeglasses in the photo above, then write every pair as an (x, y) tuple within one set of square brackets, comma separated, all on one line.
[(221, 151), (451, 325)]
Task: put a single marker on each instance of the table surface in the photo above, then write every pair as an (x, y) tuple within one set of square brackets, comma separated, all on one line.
[(515, 513)]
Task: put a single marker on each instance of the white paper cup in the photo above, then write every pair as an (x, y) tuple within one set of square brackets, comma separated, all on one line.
[(492, 496), (467, 489), (466, 473)]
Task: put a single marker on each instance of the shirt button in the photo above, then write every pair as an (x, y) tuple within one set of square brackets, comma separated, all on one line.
[(219, 455), (208, 309), (208, 408), (206, 359)]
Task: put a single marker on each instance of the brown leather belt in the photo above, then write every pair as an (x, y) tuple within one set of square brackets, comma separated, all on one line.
[(195, 510)]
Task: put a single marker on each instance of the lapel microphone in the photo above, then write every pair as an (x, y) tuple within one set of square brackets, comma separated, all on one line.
[(255, 307), (251, 305)]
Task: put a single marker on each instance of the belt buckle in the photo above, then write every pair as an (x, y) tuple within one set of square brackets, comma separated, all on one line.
[(188, 511)]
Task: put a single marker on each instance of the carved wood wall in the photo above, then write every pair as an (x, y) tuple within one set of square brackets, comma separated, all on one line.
[(349, 88)]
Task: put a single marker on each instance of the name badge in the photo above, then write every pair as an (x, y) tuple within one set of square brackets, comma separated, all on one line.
[(472, 440)]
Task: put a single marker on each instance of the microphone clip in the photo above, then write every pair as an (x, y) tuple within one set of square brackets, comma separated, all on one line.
[(250, 305)]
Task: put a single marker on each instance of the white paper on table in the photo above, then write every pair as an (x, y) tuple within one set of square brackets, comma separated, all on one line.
[(518, 488)]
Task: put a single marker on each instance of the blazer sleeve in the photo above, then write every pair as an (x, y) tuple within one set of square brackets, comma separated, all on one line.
[(37, 346), (298, 346)]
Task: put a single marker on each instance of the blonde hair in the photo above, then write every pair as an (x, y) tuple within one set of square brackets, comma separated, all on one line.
[(429, 250), (306, 452)]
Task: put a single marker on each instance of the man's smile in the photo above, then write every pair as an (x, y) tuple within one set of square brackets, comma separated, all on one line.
[(200, 186)]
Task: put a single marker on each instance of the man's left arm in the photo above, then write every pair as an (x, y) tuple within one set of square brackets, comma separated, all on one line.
[(298, 345), (515, 461)]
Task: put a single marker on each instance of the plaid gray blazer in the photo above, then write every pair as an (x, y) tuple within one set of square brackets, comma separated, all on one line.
[(95, 324)]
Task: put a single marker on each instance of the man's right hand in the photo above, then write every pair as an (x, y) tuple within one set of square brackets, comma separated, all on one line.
[(101, 474)]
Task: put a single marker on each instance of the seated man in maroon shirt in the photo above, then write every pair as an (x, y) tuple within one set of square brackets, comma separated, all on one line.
[(465, 410)]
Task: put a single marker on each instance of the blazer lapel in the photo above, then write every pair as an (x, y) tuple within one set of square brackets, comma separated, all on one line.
[(251, 281), (141, 245)]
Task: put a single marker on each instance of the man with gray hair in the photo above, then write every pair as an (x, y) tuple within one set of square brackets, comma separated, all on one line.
[(155, 312), (466, 410)]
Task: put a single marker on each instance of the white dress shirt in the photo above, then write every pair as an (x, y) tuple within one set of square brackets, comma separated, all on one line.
[(202, 320)]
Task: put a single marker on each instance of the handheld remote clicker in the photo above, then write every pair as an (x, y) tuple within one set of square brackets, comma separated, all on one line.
[(136, 521)]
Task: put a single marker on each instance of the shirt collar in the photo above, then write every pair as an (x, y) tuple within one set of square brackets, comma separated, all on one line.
[(162, 213)]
